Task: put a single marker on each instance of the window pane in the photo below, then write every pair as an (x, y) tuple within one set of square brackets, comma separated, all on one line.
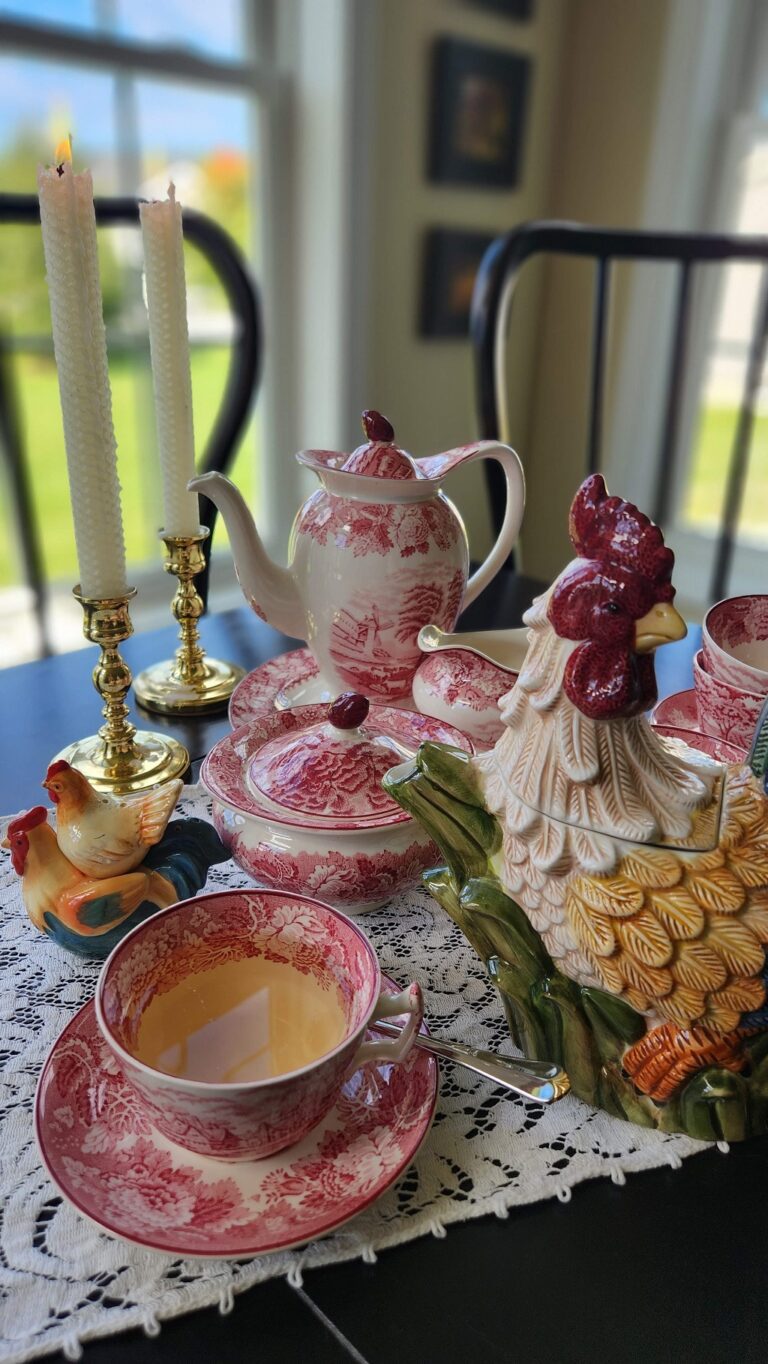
[(735, 317), (38, 399), (39, 103), (212, 29), (64, 13), (135, 135), (202, 141)]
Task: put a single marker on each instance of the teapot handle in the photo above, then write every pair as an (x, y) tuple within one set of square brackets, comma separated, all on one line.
[(513, 515)]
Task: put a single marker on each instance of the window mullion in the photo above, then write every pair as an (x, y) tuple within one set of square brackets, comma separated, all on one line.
[(65, 45)]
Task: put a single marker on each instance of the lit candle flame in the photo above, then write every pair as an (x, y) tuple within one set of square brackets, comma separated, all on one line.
[(63, 151)]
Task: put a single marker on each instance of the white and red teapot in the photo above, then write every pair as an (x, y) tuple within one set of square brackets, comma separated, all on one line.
[(375, 553)]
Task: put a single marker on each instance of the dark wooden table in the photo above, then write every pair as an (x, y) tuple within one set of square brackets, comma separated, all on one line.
[(671, 1267)]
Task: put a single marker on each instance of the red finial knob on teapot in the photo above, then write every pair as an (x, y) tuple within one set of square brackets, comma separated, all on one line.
[(348, 710), (376, 427), (380, 457)]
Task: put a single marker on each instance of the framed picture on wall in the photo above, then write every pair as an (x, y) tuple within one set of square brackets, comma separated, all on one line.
[(451, 262), (479, 99)]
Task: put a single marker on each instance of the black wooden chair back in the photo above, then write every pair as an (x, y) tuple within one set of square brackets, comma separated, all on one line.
[(243, 377), (490, 318)]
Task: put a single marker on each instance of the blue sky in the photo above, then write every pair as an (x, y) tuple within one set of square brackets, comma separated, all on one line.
[(176, 120), (214, 28)]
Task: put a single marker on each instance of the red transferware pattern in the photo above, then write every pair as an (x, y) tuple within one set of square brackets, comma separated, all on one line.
[(105, 1157), (330, 769), (678, 711), (738, 623), (351, 880), (724, 710), (238, 1120), (469, 687), (259, 688), (229, 771)]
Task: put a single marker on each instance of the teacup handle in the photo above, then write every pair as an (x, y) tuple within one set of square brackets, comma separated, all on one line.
[(513, 515), (409, 1001)]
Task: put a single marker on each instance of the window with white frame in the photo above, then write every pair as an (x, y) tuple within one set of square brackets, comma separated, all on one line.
[(708, 171), (728, 321), (151, 90)]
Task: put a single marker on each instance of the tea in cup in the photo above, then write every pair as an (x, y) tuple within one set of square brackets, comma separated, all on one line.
[(237, 1016)]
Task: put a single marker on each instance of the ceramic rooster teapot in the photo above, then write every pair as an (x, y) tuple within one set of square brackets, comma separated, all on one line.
[(375, 553), (615, 882)]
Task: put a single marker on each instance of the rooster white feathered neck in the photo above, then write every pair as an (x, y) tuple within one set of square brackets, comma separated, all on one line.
[(560, 780)]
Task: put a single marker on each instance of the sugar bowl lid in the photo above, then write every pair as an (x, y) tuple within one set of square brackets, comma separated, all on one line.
[(302, 769), (334, 768)]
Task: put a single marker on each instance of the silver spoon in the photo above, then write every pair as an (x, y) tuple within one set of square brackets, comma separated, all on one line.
[(540, 1081)]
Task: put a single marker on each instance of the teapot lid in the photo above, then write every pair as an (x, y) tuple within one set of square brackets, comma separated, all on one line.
[(380, 457), (334, 768)]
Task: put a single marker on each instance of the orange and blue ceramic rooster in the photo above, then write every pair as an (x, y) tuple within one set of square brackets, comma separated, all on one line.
[(88, 913)]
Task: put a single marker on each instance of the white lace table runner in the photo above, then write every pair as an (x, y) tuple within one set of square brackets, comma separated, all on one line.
[(64, 1282)]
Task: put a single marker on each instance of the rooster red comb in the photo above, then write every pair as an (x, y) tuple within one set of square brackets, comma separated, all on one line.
[(55, 768), (29, 820), (615, 532)]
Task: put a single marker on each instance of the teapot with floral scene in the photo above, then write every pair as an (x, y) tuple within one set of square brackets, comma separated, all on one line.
[(375, 553)]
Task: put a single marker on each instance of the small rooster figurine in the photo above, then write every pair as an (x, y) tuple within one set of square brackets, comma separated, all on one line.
[(89, 914), (106, 835), (616, 884), (55, 889)]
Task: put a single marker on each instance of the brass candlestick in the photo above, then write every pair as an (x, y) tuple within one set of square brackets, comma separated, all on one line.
[(191, 683), (119, 758)]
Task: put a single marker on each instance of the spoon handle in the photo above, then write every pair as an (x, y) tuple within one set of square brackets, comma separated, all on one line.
[(544, 1087)]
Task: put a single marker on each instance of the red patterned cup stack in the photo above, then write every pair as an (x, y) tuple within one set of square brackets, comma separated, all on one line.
[(730, 672)]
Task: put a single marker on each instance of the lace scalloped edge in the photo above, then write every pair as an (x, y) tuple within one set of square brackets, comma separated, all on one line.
[(71, 1345)]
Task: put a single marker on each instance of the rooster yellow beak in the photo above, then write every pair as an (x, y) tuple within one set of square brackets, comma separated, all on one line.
[(662, 625), (6, 843)]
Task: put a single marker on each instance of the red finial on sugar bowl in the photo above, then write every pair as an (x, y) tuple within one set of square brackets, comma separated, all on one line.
[(349, 710)]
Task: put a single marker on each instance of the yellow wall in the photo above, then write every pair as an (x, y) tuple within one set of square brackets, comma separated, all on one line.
[(605, 124), (425, 386), (595, 78)]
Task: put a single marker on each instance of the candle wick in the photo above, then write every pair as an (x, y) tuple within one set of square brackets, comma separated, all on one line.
[(60, 169)]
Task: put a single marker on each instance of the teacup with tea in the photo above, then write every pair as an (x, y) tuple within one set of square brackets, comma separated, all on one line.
[(237, 1016)]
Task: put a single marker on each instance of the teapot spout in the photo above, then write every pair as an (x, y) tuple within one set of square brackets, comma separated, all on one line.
[(269, 590)]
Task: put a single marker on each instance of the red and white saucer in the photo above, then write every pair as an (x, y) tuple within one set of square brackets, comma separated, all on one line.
[(679, 711), (291, 679), (104, 1156)]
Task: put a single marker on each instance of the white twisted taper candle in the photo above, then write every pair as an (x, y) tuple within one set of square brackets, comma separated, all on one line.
[(169, 347), (80, 346)]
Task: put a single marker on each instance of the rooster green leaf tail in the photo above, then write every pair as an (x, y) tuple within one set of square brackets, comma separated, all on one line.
[(758, 753)]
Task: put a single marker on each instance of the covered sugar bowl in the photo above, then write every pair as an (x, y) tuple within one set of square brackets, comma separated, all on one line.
[(298, 799)]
